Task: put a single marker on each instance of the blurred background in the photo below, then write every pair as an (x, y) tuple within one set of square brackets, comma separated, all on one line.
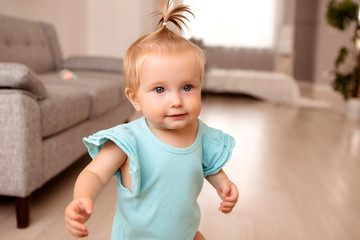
[(296, 163), (304, 42)]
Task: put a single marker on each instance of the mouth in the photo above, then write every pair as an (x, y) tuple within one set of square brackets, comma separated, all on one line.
[(177, 115)]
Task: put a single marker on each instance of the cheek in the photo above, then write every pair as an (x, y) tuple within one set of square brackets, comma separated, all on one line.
[(195, 103), (151, 105), (199, 106)]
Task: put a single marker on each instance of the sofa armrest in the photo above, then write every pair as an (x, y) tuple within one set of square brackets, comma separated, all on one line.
[(21, 165), (94, 63), (19, 76)]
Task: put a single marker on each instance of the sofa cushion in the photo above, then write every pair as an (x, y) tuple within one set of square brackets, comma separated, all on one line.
[(24, 41), (105, 89), (64, 107)]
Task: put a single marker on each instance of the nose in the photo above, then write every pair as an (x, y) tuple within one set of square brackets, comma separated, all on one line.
[(175, 100)]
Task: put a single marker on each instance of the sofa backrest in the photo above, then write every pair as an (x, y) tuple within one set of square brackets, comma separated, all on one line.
[(28, 42), (239, 58)]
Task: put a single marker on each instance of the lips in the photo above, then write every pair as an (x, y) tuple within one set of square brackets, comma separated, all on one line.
[(177, 115)]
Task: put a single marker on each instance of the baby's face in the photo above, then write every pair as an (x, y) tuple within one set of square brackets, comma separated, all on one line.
[(170, 91)]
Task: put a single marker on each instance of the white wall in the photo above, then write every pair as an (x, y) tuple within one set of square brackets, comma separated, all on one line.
[(97, 27), (68, 16), (115, 24)]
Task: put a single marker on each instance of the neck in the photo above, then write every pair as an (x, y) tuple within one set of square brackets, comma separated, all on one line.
[(179, 138)]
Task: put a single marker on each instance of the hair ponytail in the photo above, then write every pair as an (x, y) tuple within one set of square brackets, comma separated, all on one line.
[(175, 15)]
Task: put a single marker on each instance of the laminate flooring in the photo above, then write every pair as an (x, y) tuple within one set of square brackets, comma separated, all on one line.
[(297, 170)]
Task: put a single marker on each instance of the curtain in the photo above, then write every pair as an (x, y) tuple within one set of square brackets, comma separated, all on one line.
[(238, 33), (234, 23)]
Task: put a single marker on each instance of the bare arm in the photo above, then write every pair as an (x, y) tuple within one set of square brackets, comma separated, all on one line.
[(88, 185), (226, 190), (98, 173)]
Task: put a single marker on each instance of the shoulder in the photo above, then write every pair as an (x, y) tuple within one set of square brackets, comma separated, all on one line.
[(119, 131), (217, 148), (123, 135), (210, 134)]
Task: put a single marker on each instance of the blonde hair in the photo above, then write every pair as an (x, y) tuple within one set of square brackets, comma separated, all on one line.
[(163, 41)]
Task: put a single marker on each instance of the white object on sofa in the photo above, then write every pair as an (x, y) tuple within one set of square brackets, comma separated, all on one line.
[(266, 85)]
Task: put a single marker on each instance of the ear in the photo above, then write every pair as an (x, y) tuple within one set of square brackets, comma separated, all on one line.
[(131, 95)]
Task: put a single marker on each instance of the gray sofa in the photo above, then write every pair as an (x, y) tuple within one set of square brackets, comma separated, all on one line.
[(43, 117)]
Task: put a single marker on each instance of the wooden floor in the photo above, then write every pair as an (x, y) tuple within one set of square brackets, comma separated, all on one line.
[(297, 170)]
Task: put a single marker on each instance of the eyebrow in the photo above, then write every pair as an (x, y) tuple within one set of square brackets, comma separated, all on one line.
[(157, 83)]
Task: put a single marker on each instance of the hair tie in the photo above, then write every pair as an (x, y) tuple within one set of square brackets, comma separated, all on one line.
[(164, 23)]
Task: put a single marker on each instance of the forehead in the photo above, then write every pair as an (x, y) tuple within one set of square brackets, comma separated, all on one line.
[(160, 61), (174, 66), (170, 55)]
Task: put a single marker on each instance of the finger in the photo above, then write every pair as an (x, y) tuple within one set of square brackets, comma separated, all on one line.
[(77, 229), (227, 204), (77, 233), (76, 225), (225, 210), (231, 198), (233, 194), (80, 206), (73, 215), (87, 207), (81, 210)]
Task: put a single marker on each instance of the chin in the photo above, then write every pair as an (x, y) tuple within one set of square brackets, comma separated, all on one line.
[(179, 125), (172, 124)]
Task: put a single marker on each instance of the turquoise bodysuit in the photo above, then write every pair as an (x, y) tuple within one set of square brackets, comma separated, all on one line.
[(165, 181)]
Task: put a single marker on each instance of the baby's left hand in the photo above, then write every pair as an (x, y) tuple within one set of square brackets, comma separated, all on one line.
[(228, 192)]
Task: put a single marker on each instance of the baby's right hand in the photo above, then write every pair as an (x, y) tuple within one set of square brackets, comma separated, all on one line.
[(76, 214)]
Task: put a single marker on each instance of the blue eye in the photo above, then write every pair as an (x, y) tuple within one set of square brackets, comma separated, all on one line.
[(159, 89), (187, 88)]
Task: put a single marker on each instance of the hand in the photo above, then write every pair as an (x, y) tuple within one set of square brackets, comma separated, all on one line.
[(76, 214), (228, 192)]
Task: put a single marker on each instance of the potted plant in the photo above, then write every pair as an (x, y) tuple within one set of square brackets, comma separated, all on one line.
[(342, 15)]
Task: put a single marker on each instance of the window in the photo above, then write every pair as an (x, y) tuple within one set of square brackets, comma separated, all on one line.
[(240, 23)]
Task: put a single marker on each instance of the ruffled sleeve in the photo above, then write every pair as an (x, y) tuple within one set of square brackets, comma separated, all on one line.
[(123, 137), (217, 150)]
